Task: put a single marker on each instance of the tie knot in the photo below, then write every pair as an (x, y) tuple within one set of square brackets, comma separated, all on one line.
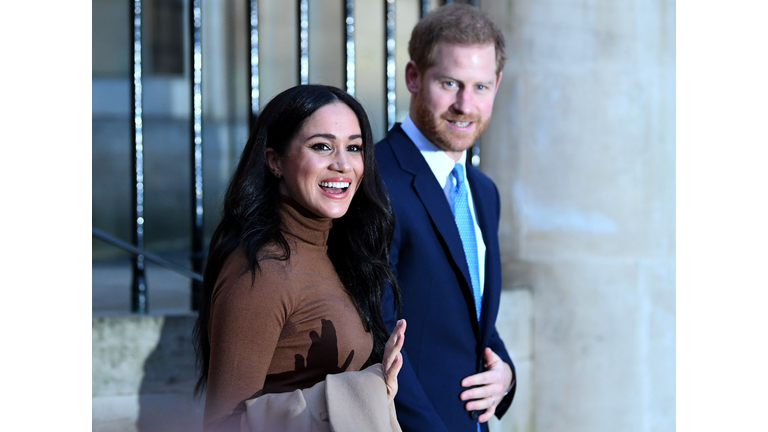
[(458, 173)]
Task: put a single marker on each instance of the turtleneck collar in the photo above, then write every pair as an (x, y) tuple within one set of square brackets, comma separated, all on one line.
[(303, 224)]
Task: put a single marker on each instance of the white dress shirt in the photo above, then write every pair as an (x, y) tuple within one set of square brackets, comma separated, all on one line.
[(442, 165)]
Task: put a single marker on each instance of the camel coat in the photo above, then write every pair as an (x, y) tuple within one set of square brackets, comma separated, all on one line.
[(345, 402)]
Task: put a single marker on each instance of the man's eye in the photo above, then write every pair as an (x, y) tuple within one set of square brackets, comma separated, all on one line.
[(481, 87), (320, 147), (450, 83)]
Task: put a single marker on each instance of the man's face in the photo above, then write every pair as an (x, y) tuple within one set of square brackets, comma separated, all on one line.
[(451, 102)]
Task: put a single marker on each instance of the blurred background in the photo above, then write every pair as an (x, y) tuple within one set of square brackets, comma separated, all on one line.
[(581, 146)]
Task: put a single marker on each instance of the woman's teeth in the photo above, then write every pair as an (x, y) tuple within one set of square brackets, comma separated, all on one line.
[(338, 185)]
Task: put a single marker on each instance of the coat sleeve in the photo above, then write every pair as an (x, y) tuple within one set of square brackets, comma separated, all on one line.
[(495, 342), (415, 412), (347, 402), (497, 345), (246, 318)]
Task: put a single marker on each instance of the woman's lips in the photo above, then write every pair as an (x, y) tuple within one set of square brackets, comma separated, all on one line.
[(335, 189)]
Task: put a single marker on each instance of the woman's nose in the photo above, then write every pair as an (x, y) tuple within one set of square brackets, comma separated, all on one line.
[(340, 162)]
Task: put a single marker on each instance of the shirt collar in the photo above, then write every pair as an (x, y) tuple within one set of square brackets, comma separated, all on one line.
[(439, 162)]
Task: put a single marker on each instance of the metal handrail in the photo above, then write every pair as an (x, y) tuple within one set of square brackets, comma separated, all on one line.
[(101, 235)]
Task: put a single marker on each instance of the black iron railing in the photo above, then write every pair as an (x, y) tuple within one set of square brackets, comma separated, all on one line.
[(195, 26), (139, 302), (139, 289), (101, 235)]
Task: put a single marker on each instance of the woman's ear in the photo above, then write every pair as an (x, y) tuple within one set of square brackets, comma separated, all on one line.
[(273, 162)]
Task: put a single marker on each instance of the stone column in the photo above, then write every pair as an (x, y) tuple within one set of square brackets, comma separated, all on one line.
[(582, 148)]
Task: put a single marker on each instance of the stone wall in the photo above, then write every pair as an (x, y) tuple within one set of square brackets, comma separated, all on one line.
[(143, 374), (582, 147)]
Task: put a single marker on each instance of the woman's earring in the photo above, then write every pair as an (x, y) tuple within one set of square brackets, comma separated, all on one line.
[(277, 175)]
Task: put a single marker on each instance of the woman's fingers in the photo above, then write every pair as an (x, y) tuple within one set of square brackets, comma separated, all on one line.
[(393, 359), (394, 344), (390, 376)]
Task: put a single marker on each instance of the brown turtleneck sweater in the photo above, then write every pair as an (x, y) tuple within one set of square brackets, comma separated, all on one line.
[(285, 330)]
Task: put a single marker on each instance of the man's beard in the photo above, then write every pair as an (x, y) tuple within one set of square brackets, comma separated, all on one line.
[(444, 138)]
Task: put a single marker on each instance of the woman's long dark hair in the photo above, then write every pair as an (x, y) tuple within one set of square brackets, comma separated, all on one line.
[(358, 243)]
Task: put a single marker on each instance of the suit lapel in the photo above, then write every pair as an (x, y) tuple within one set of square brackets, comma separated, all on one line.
[(432, 197), (483, 213), (439, 210)]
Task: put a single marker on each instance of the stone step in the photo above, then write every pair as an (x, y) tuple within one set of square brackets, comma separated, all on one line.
[(143, 374)]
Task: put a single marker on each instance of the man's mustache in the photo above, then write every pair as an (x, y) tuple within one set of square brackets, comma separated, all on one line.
[(460, 117)]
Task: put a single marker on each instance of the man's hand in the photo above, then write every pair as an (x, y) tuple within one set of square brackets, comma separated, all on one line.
[(492, 385)]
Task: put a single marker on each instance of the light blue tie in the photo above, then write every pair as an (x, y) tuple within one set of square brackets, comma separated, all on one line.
[(467, 232)]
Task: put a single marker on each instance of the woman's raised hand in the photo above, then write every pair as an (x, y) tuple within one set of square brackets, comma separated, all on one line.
[(393, 360)]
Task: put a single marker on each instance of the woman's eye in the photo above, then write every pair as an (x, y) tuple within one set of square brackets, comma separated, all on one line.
[(320, 147), (355, 148)]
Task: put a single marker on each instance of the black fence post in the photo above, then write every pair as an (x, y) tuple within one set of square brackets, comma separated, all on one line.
[(195, 23), (389, 14), (253, 54), (304, 41), (139, 303), (349, 45)]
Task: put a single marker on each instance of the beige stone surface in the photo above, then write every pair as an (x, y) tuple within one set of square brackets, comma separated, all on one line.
[(657, 288), (277, 22), (168, 412), (119, 349), (519, 417), (115, 413), (327, 58), (143, 374), (369, 63), (582, 148), (515, 326), (588, 347)]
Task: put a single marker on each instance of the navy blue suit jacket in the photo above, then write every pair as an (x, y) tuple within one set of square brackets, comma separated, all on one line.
[(443, 342)]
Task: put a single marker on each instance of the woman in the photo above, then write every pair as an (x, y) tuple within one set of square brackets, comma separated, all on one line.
[(296, 268)]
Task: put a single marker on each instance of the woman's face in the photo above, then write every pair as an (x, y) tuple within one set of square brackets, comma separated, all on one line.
[(324, 163)]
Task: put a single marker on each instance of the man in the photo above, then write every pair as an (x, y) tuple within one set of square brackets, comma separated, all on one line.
[(445, 252)]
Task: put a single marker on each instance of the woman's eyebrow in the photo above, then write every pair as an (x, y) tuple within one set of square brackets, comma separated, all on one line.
[(323, 135), (332, 136)]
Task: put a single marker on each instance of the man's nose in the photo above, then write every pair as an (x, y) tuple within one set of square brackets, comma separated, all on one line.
[(463, 102)]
